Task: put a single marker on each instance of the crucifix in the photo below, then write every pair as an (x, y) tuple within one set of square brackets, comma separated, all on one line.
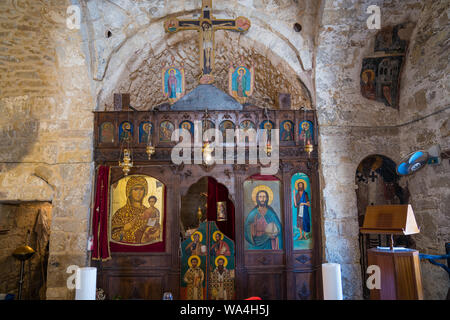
[(206, 25)]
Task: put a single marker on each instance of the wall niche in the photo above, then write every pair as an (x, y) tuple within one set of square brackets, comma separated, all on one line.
[(24, 223)]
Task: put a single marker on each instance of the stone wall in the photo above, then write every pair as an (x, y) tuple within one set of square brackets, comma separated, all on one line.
[(46, 126), (367, 127), (351, 127), (270, 79), (425, 121)]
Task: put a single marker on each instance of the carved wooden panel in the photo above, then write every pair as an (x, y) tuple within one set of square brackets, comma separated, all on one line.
[(135, 286), (303, 260), (304, 286), (270, 274), (267, 258), (141, 261), (105, 147), (267, 286)]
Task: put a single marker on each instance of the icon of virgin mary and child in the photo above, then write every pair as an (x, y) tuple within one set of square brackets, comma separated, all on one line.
[(135, 223)]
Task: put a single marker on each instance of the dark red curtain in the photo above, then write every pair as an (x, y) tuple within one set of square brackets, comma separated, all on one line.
[(216, 193), (100, 248), (262, 177)]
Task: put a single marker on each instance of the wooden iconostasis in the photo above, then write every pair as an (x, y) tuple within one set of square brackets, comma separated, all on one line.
[(261, 233)]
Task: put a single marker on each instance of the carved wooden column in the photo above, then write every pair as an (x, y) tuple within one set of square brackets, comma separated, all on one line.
[(285, 167), (241, 277), (174, 219)]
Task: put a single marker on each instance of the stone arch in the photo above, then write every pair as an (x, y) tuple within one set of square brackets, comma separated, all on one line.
[(377, 184), (286, 50)]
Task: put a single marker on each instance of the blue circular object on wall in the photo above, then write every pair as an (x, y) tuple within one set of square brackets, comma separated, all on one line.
[(403, 169), (417, 155)]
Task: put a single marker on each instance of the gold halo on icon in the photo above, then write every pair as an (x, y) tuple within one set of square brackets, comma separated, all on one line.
[(225, 261), (192, 257), (126, 126), (305, 184), (200, 236), (262, 188), (241, 68), (186, 125), (172, 69), (305, 125), (147, 127), (217, 232), (268, 125), (368, 75)]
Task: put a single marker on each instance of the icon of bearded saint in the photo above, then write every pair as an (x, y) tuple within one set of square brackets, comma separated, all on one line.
[(262, 226)]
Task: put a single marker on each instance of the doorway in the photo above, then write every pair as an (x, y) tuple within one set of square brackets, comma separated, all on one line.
[(207, 242)]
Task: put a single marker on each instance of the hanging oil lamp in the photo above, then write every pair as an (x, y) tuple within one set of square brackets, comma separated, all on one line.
[(308, 147), (268, 147), (199, 214), (150, 149), (127, 164), (207, 153), (206, 148)]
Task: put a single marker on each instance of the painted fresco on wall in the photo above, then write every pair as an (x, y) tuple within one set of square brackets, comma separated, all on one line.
[(107, 132), (145, 131), (380, 79), (287, 131), (125, 131), (301, 211), (241, 82), (380, 74), (262, 209), (165, 131), (173, 82), (388, 40), (136, 211), (207, 265), (306, 132)]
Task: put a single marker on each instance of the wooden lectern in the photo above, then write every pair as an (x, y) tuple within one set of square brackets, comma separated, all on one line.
[(400, 267)]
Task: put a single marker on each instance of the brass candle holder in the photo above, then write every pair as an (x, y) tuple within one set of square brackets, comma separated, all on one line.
[(127, 164)]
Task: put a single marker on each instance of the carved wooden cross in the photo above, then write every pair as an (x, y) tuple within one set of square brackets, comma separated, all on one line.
[(206, 25)]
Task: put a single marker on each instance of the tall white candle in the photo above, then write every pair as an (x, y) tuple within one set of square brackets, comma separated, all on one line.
[(87, 284), (332, 283)]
